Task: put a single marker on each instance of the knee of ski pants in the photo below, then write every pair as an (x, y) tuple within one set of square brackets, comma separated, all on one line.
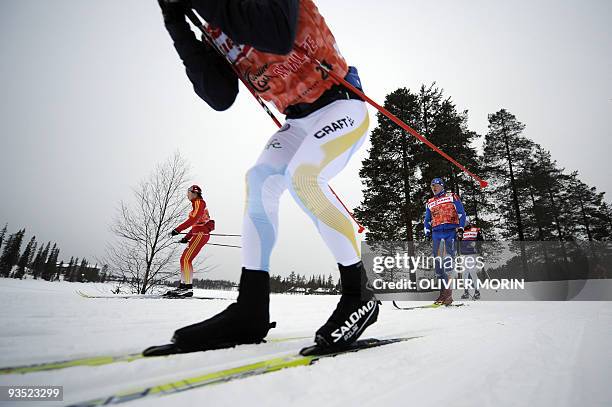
[(264, 184), (306, 187)]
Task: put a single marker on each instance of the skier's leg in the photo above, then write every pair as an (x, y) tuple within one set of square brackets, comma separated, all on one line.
[(449, 265), (438, 255), (195, 245), (185, 288), (334, 133), (265, 183), (190, 253), (186, 268)]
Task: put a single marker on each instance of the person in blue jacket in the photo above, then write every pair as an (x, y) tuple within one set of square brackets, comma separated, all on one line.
[(444, 218)]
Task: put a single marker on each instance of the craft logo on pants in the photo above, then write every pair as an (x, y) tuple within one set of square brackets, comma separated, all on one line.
[(335, 125)]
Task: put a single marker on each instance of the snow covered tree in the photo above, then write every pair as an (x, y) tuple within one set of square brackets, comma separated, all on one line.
[(143, 252)]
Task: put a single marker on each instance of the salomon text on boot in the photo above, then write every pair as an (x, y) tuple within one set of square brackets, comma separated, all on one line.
[(356, 310)]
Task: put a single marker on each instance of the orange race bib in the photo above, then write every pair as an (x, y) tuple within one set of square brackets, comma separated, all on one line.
[(443, 210), (289, 79)]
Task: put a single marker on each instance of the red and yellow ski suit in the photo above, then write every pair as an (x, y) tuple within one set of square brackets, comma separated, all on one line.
[(201, 225)]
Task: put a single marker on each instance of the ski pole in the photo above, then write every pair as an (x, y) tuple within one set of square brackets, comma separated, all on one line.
[(216, 244), (212, 234), (224, 245), (339, 80), (198, 23)]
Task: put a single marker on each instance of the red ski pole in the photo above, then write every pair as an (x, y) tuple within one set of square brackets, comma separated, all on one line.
[(391, 116), (196, 21)]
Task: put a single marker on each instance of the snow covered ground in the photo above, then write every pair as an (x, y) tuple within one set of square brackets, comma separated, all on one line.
[(485, 354)]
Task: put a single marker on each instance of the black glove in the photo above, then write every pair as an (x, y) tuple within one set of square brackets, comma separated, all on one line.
[(184, 240), (172, 10), (428, 236), (174, 233), (460, 233)]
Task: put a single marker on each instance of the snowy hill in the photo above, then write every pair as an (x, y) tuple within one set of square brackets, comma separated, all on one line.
[(485, 354)]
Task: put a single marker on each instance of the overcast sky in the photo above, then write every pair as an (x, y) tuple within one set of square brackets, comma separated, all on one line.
[(93, 96)]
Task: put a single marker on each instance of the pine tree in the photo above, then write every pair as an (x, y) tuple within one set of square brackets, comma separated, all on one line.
[(40, 261), (24, 260), (81, 271), (32, 254), (68, 274), (602, 222), (10, 253), (35, 264), (60, 268), (50, 267), (5, 266), (292, 278), (586, 203), (543, 183), (505, 152)]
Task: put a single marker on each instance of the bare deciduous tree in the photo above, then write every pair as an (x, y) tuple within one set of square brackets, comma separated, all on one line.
[(143, 254)]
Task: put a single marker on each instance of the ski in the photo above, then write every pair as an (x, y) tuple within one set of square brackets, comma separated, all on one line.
[(99, 360), (148, 297), (432, 306), (305, 357)]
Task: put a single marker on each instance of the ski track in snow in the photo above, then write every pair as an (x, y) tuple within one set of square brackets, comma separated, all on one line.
[(486, 354)]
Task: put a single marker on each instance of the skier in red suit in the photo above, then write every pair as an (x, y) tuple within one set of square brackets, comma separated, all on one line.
[(201, 226)]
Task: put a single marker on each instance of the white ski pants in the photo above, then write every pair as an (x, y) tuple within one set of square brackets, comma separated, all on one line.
[(303, 156)]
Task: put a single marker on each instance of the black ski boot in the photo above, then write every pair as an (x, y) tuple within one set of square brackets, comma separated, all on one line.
[(353, 314), (466, 295), (182, 291), (477, 295), (245, 321)]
